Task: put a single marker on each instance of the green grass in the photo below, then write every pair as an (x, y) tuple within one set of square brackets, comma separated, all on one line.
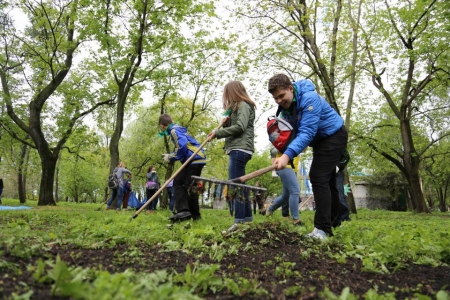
[(379, 238)]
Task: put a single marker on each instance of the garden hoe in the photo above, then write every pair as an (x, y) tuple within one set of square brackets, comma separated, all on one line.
[(174, 175), (101, 206)]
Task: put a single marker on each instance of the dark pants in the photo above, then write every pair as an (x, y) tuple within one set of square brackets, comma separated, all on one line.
[(152, 205), (345, 211), (185, 201), (170, 196), (242, 204), (126, 195), (326, 156)]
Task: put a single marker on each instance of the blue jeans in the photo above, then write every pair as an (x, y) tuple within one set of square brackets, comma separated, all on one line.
[(171, 197), (345, 211), (242, 204), (290, 194), (119, 193)]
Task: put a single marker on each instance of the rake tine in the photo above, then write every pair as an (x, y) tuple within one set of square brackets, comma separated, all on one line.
[(209, 189), (221, 191)]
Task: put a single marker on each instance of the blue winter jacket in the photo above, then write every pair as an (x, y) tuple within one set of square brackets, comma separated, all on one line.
[(316, 119), (185, 146)]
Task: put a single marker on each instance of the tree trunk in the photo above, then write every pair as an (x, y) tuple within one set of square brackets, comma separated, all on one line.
[(48, 163), (118, 128), (57, 178), (75, 196), (105, 195), (350, 198), (442, 205), (411, 163), (21, 176), (417, 194), (164, 200)]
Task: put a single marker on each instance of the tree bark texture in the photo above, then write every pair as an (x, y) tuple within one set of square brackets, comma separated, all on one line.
[(21, 175)]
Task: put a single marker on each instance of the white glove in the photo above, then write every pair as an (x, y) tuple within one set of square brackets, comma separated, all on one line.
[(337, 169), (165, 157)]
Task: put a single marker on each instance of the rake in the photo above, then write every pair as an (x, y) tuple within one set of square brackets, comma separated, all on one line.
[(173, 175)]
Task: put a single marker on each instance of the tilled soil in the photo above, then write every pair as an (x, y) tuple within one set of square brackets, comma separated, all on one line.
[(284, 264)]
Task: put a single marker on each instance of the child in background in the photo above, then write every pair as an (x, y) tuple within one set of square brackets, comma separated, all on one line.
[(151, 187), (185, 145)]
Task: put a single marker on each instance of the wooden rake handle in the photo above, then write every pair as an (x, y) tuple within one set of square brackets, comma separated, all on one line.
[(173, 176), (254, 174)]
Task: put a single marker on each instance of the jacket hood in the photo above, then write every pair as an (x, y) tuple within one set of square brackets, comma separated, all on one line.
[(304, 86)]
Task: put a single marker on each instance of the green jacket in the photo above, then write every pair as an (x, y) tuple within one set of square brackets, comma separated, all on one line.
[(241, 132)]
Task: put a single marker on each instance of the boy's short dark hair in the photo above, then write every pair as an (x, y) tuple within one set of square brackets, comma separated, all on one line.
[(165, 120), (278, 81)]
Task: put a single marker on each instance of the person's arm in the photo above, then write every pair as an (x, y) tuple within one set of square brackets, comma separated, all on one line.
[(126, 171), (310, 111), (242, 119), (180, 141)]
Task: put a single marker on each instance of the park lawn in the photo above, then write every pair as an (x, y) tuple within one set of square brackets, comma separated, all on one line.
[(75, 251)]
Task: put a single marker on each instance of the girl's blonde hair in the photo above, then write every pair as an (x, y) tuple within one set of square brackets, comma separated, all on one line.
[(121, 164), (233, 94)]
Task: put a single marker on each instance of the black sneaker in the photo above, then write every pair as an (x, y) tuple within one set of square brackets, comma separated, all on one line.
[(181, 216)]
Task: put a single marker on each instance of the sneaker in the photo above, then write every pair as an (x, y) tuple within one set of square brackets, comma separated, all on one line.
[(317, 234), (181, 216), (231, 229)]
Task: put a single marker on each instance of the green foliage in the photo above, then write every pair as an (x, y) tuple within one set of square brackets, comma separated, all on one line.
[(199, 279), (378, 238)]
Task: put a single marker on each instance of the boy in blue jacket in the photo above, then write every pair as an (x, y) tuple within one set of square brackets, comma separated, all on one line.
[(185, 145), (321, 128)]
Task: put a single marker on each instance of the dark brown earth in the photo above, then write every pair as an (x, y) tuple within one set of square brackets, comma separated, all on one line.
[(265, 249)]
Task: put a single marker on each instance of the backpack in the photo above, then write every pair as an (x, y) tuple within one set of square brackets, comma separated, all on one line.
[(113, 181), (281, 132)]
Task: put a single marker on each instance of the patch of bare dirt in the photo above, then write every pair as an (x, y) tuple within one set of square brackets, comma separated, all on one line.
[(283, 263)]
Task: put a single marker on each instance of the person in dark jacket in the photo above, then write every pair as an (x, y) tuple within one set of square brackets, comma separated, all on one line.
[(186, 203), (239, 134), (320, 127), (151, 187)]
